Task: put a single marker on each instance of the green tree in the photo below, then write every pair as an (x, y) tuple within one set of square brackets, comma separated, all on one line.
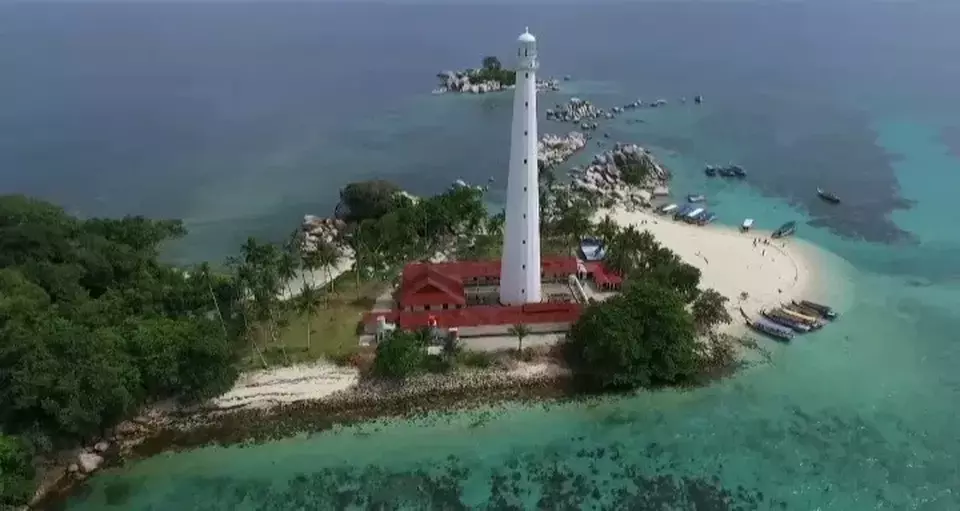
[(492, 63), (367, 200), (642, 337), (520, 331), (16, 472), (400, 355), (709, 310), (307, 302)]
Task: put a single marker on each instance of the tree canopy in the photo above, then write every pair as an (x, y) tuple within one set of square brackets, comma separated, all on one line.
[(647, 335), (641, 337), (92, 325), (367, 200)]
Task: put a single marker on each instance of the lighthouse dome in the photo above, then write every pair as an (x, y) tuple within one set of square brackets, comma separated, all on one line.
[(526, 37)]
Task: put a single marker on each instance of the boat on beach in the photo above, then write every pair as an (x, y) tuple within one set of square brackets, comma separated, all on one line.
[(668, 208), (694, 215), (746, 225), (824, 310), (784, 320), (706, 218), (785, 230), (812, 321), (770, 328), (827, 196), (682, 211)]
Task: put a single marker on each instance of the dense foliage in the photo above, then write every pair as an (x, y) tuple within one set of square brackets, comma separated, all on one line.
[(16, 471), (400, 355), (493, 71), (640, 337), (646, 335), (92, 326), (413, 229), (367, 200)]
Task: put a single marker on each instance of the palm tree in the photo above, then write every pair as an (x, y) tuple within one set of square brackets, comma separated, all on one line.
[(607, 229), (520, 331), (326, 256), (307, 302)]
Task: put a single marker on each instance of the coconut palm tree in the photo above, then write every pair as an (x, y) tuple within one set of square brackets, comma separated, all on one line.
[(520, 331), (326, 256), (307, 302)]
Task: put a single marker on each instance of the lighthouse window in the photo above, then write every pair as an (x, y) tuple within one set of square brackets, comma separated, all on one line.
[(523, 291), (524, 132), (524, 242), (524, 216), (526, 104), (524, 267), (524, 161), (524, 189), (526, 75)]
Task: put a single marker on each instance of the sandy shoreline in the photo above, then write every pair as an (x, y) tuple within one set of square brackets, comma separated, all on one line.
[(731, 263)]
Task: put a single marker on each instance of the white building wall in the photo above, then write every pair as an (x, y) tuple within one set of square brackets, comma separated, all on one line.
[(520, 265)]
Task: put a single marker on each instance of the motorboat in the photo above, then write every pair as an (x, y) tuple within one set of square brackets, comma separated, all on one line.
[(785, 230), (827, 196)]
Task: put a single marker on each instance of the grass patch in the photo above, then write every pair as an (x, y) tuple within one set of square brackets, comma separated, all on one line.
[(479, 359), (334, 325)]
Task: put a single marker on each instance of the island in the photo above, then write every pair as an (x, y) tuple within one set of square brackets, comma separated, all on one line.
[(491, 76)]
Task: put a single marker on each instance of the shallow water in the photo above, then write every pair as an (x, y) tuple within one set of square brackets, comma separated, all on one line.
[(249, 129)]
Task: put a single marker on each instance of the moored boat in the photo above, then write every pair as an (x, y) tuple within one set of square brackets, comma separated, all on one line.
[(784, 320), (772, 329), (668, 208), (824, 310), (694, 215), (707, 218), (682, 211), (710, 170), (695, 198), (827, 196), (746, 225), (806, 310), (813, 321), (785, 230)]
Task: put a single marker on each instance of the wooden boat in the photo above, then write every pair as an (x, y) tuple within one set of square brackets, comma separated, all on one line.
[(806, 310), (803, 318), (786, 229), (774, 330), (784, 320), (710, 170), (824, 310), (827, 196)]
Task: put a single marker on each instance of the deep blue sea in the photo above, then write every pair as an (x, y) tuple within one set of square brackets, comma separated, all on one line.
[(241, 117)]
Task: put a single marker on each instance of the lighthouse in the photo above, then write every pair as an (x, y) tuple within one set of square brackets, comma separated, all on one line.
[(520, 264)]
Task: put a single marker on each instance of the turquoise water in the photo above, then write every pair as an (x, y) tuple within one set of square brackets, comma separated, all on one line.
[(240, 122)]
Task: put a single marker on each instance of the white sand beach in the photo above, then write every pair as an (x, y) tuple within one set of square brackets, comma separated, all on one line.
[(731, 263), (280, 385), (316, 278)]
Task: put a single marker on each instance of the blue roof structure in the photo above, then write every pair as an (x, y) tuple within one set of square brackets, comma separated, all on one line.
[(592, 249)]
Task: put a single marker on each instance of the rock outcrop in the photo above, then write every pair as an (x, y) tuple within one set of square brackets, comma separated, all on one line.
[(627, 174), (317, 231), (552, 150), (579, 111)]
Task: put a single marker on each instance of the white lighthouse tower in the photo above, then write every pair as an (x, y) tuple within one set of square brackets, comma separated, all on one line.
[(520, 265)]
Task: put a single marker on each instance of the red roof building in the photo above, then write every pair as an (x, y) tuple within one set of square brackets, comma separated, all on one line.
[(482, 315), (439, 286), (425, 285), (604, 277)]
